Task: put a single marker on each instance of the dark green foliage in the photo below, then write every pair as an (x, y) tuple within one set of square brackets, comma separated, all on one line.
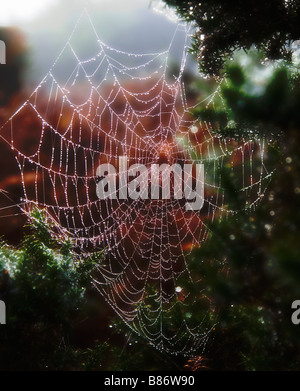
[(43, 285), (250, 271), (134, 353), (277, 107), (224, 26), (247, 273), (255, 108), (249, 268), (51, 309)]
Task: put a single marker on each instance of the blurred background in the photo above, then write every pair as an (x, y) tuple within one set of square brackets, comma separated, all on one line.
[(35, 35), (248, 271), (46, 26)]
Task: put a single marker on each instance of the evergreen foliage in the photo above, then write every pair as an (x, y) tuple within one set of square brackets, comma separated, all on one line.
[(249, 268), (223, 26)]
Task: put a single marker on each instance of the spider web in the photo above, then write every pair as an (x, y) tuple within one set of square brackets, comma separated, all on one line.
[(113, 104)]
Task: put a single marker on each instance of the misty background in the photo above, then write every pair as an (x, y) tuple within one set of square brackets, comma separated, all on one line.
[(131, 26)]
